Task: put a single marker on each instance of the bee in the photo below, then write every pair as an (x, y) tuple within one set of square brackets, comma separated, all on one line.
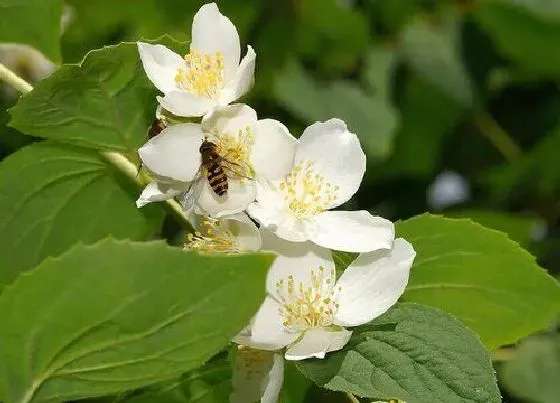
[(211, 164), (156, 128), (217, 170)]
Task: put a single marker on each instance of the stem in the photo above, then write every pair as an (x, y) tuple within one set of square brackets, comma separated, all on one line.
[(352, 398), (119, 161), (497, 136), (15, 81)]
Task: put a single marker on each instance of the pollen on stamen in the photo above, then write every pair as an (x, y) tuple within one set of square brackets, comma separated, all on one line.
[(306, 191), (203, 74), (305, 306), (213, 237)]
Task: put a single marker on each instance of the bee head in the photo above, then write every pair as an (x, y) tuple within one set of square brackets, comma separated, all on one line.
[(206, 146)]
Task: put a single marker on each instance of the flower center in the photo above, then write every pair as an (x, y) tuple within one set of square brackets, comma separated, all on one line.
[(314, 305), (203, 75), (235, 150), (212, 237), (306, 192)]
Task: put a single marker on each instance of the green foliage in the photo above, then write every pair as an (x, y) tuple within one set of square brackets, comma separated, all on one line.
[(68, 195), (537, 170), (19, 23), (518, 227), (119, 315), (526, 30), (486, 280), (532, 373), (402, 351), (346, 40), (106, 102), (371, 117), (413, 79), (209, 383), (433, 53)]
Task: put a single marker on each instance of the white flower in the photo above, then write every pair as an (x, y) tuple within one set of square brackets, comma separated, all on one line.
[(328, 167), (210, 75), (257, 376), (232, 234), (251, 149), (307, 309)]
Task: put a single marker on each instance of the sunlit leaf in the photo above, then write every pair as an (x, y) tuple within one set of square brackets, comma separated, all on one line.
[(421, 346), (479, 275), (120, 315), (52, 196), (106, 102)]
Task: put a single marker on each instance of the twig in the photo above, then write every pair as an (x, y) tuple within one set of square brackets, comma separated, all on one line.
[(14, 80), (497, 136), (352, 398), (119, 161)]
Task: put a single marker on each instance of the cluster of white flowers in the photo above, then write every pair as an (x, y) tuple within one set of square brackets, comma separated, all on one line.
[(287, 186)]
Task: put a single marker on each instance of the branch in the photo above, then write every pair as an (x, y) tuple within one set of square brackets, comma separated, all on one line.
[(14, 80)]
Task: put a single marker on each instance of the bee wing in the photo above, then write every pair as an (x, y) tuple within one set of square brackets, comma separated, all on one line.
[(190, 196), (232, 172)]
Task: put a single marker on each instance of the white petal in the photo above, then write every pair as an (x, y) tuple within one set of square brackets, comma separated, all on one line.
[(258, 376), (229, 119), (245, 231), (294, 259), (182, 103), (161, 65), (274, 149), (273, 384), (373, 283), (238, 197), (213, 32), (317, 342), (243, 79), (174, 152), (353, 231), (267, 331), (157, 191), (294, 229), (269, 205), (337, 154)]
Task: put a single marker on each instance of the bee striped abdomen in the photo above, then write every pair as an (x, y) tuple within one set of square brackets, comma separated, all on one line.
[(217, 179)]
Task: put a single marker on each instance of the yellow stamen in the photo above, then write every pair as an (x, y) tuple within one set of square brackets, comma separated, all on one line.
[(307, 192), (308, 306), (203, 74), (213, 237)]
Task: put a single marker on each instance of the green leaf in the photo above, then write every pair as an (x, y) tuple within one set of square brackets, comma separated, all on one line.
[(479, 275), (19, 23), (427, 357), (372, 118), (346, 40), (535, 171), (534, 370), (433, 53), (342, 260), (525, 30), (295, 386), (120, 315), (518, 227), (428, 115), (207, 384), (106, 102), (52, 196)]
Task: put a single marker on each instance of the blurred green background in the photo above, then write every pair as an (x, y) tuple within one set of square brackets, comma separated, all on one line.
[(456, 103)]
